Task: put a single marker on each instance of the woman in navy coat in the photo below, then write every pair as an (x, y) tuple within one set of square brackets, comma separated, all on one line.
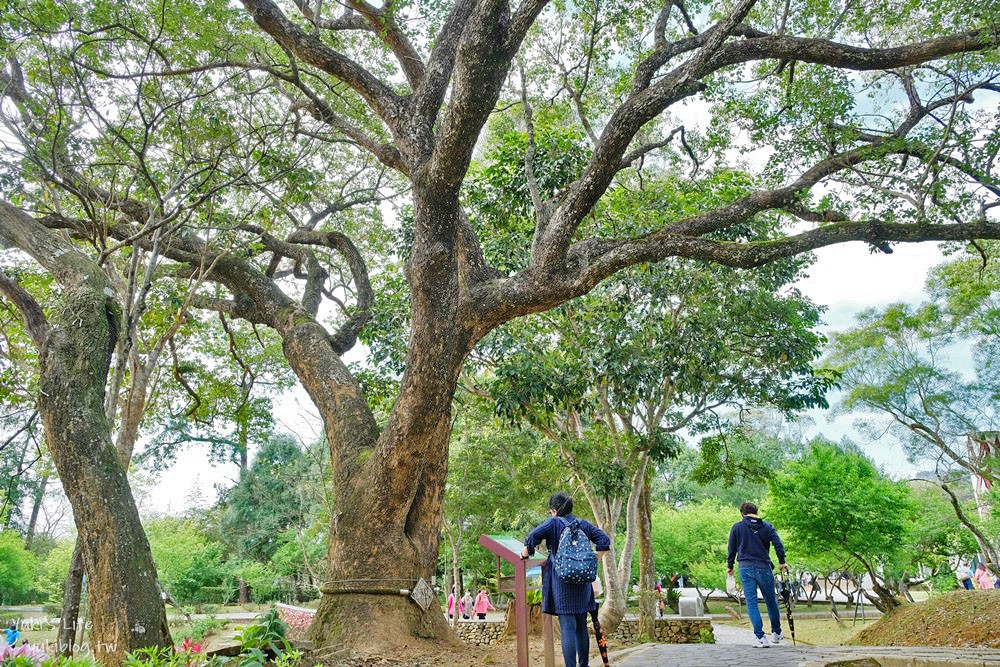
[(570, 602)]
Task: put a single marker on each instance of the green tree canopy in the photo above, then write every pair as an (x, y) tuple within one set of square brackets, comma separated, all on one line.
[(17, 569), (692, 540), (835, 502), (281, 491), (191, 567), (896, 368)]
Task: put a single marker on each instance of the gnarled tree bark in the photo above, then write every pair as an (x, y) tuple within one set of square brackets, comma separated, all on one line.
[(75, 353)]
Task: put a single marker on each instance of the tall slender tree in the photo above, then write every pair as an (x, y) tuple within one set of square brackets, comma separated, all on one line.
[(70, 153)]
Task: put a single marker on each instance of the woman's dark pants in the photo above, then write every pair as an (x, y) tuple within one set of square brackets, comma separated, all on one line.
[(575, 640)]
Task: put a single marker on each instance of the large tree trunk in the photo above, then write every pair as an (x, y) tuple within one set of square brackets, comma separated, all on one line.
[(128, 432), (389, 488), (125, 605), (384, 535)]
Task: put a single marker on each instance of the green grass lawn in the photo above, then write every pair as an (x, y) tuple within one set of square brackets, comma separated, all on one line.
[(39, 636), (813, 631)]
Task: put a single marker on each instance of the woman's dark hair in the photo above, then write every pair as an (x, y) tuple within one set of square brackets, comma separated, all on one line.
[(561, 503), (748, 508)]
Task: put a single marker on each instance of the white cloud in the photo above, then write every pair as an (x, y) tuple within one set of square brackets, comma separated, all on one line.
[(848, 279)]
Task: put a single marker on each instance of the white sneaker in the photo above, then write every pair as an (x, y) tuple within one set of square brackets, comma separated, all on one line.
[(760, 643), (777, 638)]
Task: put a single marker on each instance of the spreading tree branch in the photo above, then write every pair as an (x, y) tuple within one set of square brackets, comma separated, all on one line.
[(35, 322), (311, 49)]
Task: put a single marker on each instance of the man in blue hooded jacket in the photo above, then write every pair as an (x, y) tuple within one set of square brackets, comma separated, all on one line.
[(750, 543)]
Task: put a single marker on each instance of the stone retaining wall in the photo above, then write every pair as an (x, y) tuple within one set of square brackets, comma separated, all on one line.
[(668, 630), (478, 633), (298, 619)]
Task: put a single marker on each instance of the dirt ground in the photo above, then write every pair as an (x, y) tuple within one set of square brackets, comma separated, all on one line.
[(961, 619)]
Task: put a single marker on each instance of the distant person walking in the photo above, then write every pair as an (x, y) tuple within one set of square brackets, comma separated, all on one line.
[(482, 605), (467, 604), (964, 575), (750, 541), (571, 602), (452, 601), (983, 578)]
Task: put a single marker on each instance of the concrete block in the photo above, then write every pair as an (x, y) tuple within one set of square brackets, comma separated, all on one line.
[(689, 607)]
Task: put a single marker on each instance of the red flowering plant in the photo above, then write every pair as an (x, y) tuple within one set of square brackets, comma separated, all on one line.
[(189, 646)]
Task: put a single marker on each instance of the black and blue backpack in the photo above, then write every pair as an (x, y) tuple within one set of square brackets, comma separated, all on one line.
[(575, 561)]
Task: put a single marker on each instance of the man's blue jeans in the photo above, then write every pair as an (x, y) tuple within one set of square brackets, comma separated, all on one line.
[(575, 640), (752, 577)]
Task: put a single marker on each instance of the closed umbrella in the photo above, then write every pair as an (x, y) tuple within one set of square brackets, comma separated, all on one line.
[(602, 643), (785, 591)]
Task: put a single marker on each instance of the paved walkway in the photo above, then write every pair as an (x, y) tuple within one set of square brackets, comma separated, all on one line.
[(728, 655), (730, 634)]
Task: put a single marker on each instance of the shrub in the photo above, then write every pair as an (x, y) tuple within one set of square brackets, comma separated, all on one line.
[(206, 627), (268, 633), (61, 661), (18, 568)]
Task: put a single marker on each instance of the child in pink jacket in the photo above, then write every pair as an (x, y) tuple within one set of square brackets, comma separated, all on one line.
[(482, 605)]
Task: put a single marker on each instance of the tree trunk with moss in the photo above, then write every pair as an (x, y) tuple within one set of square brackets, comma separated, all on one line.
[(74, 357)]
